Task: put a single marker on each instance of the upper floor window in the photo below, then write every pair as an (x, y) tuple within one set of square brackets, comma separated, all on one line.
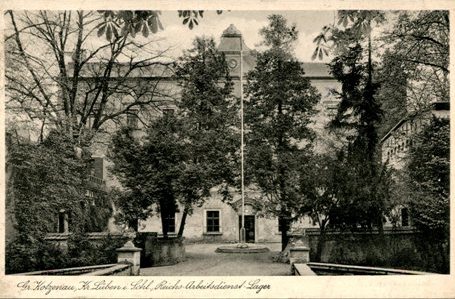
[(168, 111), (132, 121)]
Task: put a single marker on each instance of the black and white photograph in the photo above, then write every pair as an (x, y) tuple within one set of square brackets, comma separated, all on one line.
[(234, 144)]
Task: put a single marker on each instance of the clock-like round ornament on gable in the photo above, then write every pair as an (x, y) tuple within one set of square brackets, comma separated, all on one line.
[(232, 63)]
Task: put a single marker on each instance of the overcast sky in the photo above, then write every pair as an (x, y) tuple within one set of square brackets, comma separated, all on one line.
[(309, 24)]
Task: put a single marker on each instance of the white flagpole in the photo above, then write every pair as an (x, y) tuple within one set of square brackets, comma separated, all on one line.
[(242, 230)]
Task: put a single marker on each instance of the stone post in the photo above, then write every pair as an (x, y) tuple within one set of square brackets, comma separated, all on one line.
[(299, 253), (130, 254)]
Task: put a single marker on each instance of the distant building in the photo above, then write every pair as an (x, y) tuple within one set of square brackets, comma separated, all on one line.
[(395, 145)]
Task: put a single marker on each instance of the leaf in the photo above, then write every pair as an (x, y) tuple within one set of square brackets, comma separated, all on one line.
[(191, 24), (185, 21), (160, 26), (320, 54), (101, 30), (145, 30), (115, 31), (109, 32), (137, 27), (315, 53), (125, 30), (318, 38), (154, 26)]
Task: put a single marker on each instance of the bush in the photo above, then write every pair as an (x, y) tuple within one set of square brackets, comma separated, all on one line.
[(37, 255)]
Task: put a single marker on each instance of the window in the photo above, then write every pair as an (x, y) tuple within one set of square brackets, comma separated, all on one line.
[(131, 121), (404, 217), (168, 111), (171, 221), (63, 222), (213, 221)]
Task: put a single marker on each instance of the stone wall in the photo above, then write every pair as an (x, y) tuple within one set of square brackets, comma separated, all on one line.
[(158, 251), (403, 248)]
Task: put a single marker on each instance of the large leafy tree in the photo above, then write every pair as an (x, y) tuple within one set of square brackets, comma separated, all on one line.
[(47, 177), (414, 69), (59, 75), (277, 114), (322, 179), (359, 115), (420, 46), (428, 173), (426, 189), (147, 169), (185, 154), (208, 113)]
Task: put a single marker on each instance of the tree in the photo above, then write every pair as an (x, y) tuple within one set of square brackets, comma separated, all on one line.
[(208, 112), (322, 179), (277, 114), (47, 177), (359, 114), (428, 173), (419, 43), (184, 154), (59, 78), (124, 22), (148, 170)]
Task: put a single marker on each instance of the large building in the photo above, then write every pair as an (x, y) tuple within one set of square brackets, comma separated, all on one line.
[(219, 221), (215, 220)]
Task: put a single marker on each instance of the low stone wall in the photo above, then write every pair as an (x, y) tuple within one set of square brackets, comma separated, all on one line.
[(116, 270), (159, 251), (96, 238), (128, 258), (336, 269), (71, 271), (397, 248)]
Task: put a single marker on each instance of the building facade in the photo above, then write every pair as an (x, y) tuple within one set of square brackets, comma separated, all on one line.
[(217, 221)]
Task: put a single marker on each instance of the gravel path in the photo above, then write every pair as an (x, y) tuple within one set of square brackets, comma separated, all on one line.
[(202, 260)]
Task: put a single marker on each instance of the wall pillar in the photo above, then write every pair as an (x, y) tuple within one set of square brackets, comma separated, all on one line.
[(299, 252), (132, 255)]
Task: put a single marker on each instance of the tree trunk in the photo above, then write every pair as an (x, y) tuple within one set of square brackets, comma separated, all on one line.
[(182, 223), (321, 243), (134, 224), (284, 223), (164, 224)]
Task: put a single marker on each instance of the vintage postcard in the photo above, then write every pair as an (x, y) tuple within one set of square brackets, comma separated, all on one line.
[(267, 149)]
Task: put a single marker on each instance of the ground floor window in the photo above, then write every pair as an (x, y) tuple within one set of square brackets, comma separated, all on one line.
[(404, 217), (213, 221), (62, 222)]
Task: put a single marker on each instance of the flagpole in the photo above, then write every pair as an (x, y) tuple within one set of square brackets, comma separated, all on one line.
[(242, 230)]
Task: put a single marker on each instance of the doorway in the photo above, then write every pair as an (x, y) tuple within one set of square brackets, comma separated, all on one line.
[(249, 228)]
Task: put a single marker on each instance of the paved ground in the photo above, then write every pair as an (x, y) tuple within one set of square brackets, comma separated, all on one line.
[(202, 260)]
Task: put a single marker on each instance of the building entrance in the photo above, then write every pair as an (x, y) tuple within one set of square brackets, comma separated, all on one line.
[(249, 228)]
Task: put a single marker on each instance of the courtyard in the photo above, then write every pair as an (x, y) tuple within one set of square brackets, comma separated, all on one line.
[(202, 260)]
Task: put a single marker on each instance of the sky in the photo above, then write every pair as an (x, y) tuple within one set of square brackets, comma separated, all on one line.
[(308, 23)]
